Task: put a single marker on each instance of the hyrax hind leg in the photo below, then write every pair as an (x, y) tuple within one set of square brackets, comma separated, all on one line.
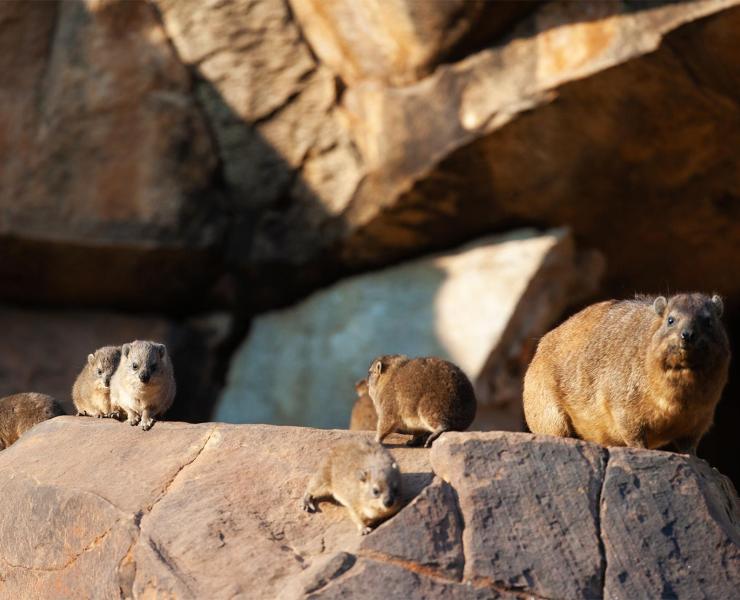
[(542, 411), (317, 488)]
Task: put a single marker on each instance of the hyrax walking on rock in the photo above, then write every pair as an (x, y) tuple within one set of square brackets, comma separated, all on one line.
[(20, 412), (361, 475), (644, 372), (421, 396), (144, 384), (91, 390), (364, 417)]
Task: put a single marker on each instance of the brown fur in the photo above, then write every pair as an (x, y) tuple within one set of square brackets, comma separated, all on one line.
[(20, 412), (91, 390), (144, 384), (361, 475), (364, 417), (618, 373), (421, 396)]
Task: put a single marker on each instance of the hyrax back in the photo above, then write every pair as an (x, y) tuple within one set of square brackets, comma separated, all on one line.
[(361, 475), (644, 372), (421, 396), (20, 412), (91, 390), (144, 384), (364, 417)]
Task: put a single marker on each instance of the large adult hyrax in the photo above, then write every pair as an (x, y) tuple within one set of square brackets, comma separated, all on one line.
[(20, 412), (363, 417), (644, 372), (361, 475), (91, 390), (143, 385), (421, 396)]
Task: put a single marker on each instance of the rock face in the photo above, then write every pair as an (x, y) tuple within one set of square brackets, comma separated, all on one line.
[(480, 307), (103, 147), (44, 351), (497, 515)]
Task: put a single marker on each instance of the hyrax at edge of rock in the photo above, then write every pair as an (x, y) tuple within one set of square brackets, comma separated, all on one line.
[(420, 396), (20, 412), (644, 372), (362, 476), (363, 417), (91, 390), (143, 385)]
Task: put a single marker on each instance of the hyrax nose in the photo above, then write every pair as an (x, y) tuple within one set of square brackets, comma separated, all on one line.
[(388, 501), (144, 377), (687, 335)]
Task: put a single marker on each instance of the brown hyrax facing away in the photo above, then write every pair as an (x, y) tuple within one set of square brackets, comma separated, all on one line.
[(421, 396), (364, 417), (20, 412), (91, 390), (644, 372), (144, 384), (361, 475)]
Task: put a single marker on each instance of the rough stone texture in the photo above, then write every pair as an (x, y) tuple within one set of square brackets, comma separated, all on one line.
[(481, 307), (670, 497), (99, 509), (103, 148), (398, 41), (531, 510), (44, 351)]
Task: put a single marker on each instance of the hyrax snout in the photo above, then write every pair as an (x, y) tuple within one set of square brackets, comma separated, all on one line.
[(423, 397), (646, 372), (143, 385), (91, 389), (362, 476), (20, 412)]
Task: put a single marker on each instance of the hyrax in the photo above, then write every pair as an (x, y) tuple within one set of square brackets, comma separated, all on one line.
[(91, 390), (361, 475), (144, 384), (421, 396), (20, 412), (644, 372), (364, 417)]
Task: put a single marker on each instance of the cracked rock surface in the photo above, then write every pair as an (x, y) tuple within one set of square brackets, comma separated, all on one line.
[(98, 509)]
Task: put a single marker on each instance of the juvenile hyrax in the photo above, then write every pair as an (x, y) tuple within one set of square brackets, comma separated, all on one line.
[(144, 384), (20, 412), (91, 390), (364, 417), (643, 372), (361, 475), (421, 396)]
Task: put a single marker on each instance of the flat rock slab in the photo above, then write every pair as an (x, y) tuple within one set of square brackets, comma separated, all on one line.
[(94, 508)]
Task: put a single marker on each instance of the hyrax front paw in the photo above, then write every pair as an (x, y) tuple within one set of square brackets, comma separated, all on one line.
[(364, 530), (133, 420), (146, 424), (308, 504)]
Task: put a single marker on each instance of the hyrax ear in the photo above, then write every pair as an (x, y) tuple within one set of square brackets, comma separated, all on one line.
[(719, 306), (660, 305), (161, 349), (125, 350), (90, 359), (361, 475), (378, 367)]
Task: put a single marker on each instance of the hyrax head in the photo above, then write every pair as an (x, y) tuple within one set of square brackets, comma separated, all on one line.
[(379, 369), (361, 387), (691, 333), (380, 486), (104, 363), (142, 360)]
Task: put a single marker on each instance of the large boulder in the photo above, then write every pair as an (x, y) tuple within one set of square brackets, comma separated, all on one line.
[(89, 513), (107, 187), (44, 351), (482, 307)]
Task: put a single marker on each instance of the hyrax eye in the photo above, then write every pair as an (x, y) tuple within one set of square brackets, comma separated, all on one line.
[(376, 491), (671, 320), (100, 371), (134, 366)]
